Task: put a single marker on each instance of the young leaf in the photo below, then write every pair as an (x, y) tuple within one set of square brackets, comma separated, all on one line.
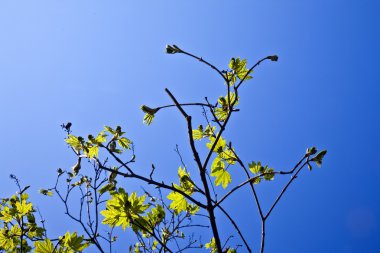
[(198, 133), (148, 119), (229, 156), (239, 66), (93, 152), (149, 114), (74, 142), (46, 192), (6, 214), (255, 167), (319, 157), (222, 176), (43, 246), (220, 145), (7, 241), (122, 209), (101, 138), (179, 203), (221, 114), (74, 242), (107, 187), (269, 175), (23, 208), (211, 245), (209, 131), (125, 143), (110, 129), (185, 181)]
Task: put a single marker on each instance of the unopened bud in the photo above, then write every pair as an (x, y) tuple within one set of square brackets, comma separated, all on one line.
[(172, 49), (273, 58), (148, 110)]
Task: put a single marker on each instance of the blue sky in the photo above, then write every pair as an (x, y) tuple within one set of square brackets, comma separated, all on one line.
[(94, 63)]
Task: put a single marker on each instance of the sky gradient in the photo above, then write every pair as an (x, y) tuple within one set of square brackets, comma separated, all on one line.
[(95, 62)]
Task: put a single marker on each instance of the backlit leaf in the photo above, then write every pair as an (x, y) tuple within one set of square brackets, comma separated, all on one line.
[(222, 176), (125, 143), (45, 246)]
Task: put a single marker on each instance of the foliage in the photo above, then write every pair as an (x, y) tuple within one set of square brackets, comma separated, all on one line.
[(161, 216)]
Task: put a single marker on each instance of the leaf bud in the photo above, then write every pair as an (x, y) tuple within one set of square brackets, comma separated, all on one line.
[(311, 151), (172, 49), (113, 146), (149, 110), (76, 167), (273, 58), (319, 157)]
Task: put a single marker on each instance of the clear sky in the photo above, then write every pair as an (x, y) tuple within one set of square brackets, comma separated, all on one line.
[(95, 62)]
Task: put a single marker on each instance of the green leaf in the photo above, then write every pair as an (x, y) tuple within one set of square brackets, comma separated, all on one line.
[(179, 202), (269, 175), (233, 98), (74, 142), (319, 157), (121, 209), (7, 242), (107, 187), (198, 133), (221, 114), (185, 181), (255, 167), (220, 145), (243, 74), (125, 143), (23, 208), (231, 77), (229, 156), (222, 176), (156, 215), (109, 129), (209, 131), (101, 138), (45, 246), (256, 180), (6, 214), (148, 119), (74, 242), (154, 246), (93, 152), (239, 66), (46, 192), (149, 114), (211, 245)]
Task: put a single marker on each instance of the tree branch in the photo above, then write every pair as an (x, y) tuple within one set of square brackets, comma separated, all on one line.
[(202, 172)]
